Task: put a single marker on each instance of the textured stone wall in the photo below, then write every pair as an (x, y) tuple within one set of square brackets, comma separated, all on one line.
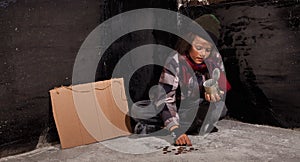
[(38, 44), (260, 45)]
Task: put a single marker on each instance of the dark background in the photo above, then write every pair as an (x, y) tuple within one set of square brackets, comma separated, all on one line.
[(39, 40)]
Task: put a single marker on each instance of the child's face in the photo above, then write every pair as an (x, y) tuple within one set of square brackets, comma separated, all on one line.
[(200, 50)]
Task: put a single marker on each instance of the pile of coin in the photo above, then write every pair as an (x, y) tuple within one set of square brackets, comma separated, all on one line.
[(177, 149)]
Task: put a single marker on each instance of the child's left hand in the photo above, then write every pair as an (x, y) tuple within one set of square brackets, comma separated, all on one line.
[(213, 97)]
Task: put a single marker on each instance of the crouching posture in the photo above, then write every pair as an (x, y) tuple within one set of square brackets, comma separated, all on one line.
[(183, 100)]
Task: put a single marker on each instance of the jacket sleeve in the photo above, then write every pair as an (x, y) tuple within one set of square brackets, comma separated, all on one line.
[(223, 82), (169, 80)]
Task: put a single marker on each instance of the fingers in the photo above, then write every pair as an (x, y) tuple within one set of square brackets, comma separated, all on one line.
[(183, 140), (178, 141), (222, 92), (213, 97), (188, 141), (207, 97), (217, 97)]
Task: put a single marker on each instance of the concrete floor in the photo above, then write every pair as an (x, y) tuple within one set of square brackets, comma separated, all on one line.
[(235, 141)]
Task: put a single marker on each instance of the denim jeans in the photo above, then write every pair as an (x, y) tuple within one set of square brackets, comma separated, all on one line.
[(191, 119)]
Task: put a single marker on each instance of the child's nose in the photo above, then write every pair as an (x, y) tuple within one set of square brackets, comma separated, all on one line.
[(202, 52)]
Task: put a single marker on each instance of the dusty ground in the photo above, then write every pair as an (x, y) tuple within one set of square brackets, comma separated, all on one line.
[(235, 141)]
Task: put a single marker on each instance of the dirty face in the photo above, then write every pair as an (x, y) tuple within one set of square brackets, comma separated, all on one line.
[(200, 50)]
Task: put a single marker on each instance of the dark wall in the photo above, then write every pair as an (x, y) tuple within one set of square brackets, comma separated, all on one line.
[(260, 45), (39, 42)]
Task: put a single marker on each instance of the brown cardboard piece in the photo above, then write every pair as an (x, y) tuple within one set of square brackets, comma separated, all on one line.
[(91, 112)]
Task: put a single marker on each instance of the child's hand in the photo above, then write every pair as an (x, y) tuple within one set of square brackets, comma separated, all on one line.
[(183, 140), (213, 97)]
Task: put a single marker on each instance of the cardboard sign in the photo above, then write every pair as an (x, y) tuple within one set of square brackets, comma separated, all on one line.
[(90, 112)]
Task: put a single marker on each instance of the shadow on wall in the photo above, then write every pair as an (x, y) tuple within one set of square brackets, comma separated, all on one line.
[(260, 47)]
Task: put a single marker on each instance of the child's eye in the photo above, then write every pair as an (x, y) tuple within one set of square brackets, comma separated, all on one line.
[(199, 48)]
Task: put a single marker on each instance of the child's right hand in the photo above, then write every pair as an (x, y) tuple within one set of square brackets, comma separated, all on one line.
[(183, 140)]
